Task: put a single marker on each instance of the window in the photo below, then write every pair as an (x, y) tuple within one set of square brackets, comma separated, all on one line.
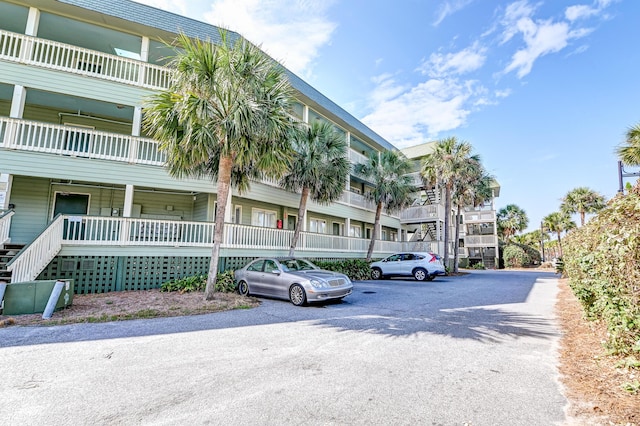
[(355, 231), (256, 266), (317, 225), (265, 218), (338, 228), (237, 215), (270, 266)]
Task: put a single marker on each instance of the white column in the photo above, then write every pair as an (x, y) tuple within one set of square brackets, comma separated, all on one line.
[(144, 49), (305, 114), (7, 180), (128, 201), (347, 226), (305, 221), (227, 210), (18, 101), (137, 121), (33, 21)]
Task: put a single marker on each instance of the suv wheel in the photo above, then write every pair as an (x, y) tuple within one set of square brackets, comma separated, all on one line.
[(420, 274), (376, 274)]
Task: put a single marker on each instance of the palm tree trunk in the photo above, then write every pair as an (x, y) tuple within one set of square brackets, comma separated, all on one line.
[(447, 214), (456, 242), (559, 245), (581, 218), (224, 181), (301, 211), (374, 234)]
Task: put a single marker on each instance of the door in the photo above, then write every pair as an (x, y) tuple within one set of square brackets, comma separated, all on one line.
[(74, 205), (291, 222)]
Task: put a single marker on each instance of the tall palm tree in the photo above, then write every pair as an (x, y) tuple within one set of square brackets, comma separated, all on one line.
[(388, 171), (472, 188), (558, 222), (319, 169), (511, 219), (582, 200), (225, 116), (630, 153), (441, 168)]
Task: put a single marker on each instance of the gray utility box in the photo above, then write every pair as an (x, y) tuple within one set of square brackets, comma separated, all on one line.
[(31, 297)]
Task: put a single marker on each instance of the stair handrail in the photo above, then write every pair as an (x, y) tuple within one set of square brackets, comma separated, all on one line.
[(33, 258), (5, 225)]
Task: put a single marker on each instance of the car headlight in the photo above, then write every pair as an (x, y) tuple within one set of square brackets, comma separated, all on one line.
[(318, 284)]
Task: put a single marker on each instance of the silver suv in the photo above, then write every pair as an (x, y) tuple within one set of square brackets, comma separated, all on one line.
[(421, 265)]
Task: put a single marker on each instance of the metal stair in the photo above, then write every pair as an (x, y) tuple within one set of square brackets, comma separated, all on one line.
[(8, 252)]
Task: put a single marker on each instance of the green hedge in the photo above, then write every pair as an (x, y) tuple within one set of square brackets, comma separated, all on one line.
[(602, 262), (356, 269), (224, 283)]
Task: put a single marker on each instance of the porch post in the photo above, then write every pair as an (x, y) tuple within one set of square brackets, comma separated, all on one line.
[(128, 201), (6, 180), (18, 101), (33, 21), (228, 208), (144, 57)]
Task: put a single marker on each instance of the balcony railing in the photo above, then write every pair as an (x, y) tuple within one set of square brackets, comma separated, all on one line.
[(479, 216), (78, 142), (64, 57), (480, 241), (426, 213)]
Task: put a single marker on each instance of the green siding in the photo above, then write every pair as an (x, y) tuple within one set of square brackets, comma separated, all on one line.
[(49, 115), (200, 208), (71, 84), (31, 197)]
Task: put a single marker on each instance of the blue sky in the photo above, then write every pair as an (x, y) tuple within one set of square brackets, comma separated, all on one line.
[(543, 90)]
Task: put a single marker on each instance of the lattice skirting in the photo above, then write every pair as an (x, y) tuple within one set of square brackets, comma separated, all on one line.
[(101, 274)]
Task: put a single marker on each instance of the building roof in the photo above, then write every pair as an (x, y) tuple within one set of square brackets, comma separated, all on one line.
[(153, 18), (419, 151)]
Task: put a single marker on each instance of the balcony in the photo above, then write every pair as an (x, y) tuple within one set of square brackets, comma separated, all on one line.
[(418, 214), (49, 138), (479, 216), (53, 55), (480, 241)]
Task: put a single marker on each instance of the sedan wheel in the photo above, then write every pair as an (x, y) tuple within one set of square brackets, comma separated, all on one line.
[(297, 295), (420, 274), (243, 288), (376, 274)]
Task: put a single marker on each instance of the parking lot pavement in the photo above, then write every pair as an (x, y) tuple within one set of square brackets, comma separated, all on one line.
[(479, 349)]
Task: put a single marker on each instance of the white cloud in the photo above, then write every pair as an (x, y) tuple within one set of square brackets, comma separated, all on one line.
[(410, 116), (464, 61), (290, 31), (175, 6), (542, 37), (448, 8)]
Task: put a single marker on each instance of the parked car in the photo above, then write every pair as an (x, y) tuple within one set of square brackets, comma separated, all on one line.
[(421, 265), (297, 280)]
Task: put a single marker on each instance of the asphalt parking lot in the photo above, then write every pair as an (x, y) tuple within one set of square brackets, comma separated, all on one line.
[(479, 349)]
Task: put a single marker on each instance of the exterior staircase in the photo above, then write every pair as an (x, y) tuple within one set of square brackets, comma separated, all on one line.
[(7, 252)]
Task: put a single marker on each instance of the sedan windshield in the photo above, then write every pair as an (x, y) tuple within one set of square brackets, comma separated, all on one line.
[(297, 265)]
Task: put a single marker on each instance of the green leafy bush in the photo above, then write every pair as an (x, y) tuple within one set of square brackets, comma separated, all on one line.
[(479, 266), (225, 283), (515, 256), (602, 262), (355, 269)]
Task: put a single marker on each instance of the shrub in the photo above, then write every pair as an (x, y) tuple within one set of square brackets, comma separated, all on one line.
[(225, 283), (515, 256), (478, 265), (355, 269), (602, 262)]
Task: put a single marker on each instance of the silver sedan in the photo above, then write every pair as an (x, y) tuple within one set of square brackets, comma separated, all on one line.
[(297, 280)]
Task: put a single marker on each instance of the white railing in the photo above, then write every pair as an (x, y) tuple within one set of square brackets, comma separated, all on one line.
[(427, 213), (479, 216), (59, 56), (31, 260), (359, 200), (78, 142), (480, 240), (96, 230), (5, 225), (357, 158)]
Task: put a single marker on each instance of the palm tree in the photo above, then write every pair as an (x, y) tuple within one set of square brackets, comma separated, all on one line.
[(226, 116), (441, 168), (558, 222), (511, 219), (582, 200), (319, 169), (472, 188), (388, 171), (630, 153)]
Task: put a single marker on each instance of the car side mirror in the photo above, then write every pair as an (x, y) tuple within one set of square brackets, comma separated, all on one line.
[(276, 272)]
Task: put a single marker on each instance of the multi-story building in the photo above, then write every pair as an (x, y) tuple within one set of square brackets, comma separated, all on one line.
[(84, 189), (424, 221)]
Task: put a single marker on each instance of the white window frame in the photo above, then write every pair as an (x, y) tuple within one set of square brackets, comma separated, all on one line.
[(267, 213), (313, 220), (341, 225), (355, 231)]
